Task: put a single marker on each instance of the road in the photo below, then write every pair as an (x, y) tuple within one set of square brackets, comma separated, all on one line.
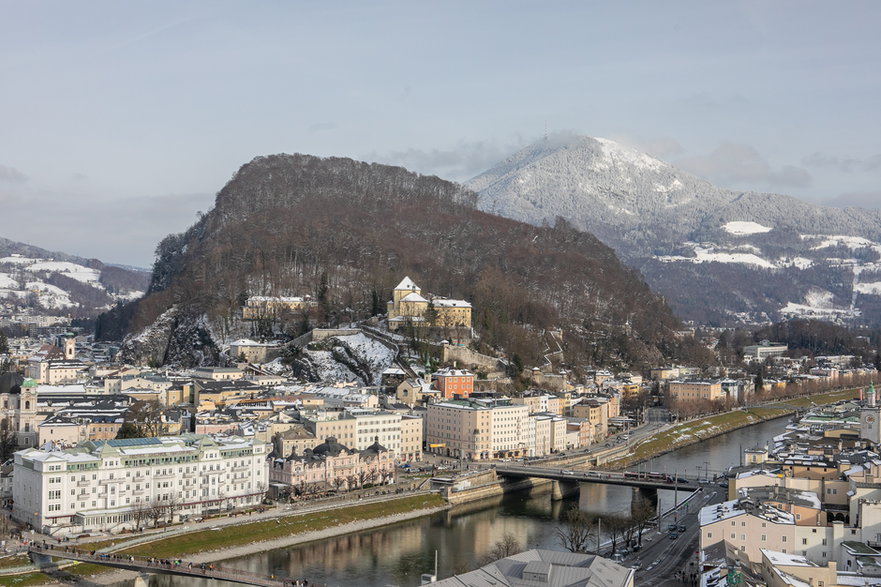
[(660, 557)]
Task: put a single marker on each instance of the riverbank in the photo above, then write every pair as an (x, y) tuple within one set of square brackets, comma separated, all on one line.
[(232, 541), (700, 429)]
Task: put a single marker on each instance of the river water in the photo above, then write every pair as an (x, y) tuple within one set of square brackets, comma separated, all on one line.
[(399, 554)]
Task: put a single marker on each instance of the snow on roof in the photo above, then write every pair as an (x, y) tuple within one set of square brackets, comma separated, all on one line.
[(413, 297), (783, 558), (407, 284), (855, 470), (718, 512), (448, 303)]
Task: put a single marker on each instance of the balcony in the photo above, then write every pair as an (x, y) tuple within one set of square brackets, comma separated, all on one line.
[(83, 483)]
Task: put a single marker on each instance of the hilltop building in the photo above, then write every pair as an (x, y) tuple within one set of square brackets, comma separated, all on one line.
[(408, 306), (268, 307)]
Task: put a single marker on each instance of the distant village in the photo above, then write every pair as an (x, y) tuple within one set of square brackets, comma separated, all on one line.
[(97, 446)]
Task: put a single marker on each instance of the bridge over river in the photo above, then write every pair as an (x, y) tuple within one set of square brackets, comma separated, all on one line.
[(41, 556), (640, 479)]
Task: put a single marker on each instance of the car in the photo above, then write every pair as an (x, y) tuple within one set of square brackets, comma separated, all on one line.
[(681, 527), (673, 535), (567, 472), (672, 527)]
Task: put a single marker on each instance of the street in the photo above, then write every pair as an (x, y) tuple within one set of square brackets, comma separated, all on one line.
[(661, 557)]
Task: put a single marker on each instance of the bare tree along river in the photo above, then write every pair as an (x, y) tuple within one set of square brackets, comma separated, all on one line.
[(399, 554)]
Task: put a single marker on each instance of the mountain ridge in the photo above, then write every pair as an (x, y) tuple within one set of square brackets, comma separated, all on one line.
[(346, 232), (659, 219)]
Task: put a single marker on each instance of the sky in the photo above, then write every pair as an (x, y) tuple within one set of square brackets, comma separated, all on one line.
[(119, 121)]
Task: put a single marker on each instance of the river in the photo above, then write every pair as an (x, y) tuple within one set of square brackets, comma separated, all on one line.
[(399, 554)]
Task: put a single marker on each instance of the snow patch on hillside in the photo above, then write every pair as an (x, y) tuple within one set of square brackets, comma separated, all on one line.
[(872, 289), (49, 295), (708, 254), (617, 153), (797, 262), (7, 282), (743, 228), (72, 270)]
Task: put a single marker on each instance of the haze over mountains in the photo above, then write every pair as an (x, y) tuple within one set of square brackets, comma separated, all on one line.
[(718, 256), (34, 279)]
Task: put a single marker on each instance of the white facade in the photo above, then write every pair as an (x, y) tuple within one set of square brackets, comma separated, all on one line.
[(109, 486), (512, 429)]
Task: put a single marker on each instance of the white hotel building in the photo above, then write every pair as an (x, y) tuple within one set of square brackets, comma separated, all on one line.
[(109, 485)]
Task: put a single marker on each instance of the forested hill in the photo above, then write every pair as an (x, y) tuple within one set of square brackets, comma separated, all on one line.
[(346, 232)]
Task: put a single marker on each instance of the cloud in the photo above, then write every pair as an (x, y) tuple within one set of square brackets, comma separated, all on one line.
[(856, 200), (115, 230), (458, 163), (843, 164), (735, 163), (11, 174), (661, 147)]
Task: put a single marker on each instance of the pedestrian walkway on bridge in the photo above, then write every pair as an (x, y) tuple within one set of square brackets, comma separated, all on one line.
[(40, 554)]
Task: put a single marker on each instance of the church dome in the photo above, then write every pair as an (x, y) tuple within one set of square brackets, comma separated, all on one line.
[(329, 447)]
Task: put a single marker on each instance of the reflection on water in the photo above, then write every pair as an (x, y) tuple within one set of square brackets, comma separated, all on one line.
[(399, 554)]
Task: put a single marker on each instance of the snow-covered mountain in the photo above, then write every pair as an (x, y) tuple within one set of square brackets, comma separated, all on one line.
[(717, 255), (42, 281)]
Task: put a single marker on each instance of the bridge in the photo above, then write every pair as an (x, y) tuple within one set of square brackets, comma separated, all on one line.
[(41, 555), (640, 480)]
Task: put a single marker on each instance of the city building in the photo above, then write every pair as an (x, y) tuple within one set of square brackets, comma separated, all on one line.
[(457, 383), (270, 307), (332, 466), (695, 390), (409, 307), (112, 485), (548, 568), (763, 350)]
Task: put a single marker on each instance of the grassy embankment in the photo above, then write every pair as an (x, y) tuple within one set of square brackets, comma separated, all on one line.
[(242, 534), (700, 429)]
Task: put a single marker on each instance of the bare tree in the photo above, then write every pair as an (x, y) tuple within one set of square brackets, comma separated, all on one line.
[(641, 512), (140, 513), (147, 416), (616, 526), (507, 546), (172, 505), (578, 530), (155, 511)]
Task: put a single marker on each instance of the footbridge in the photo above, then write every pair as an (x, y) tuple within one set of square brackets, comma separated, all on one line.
[(42, 555), (637, 479)]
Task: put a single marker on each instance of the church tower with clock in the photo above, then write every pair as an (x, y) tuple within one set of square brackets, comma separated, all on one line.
[(870, 418)]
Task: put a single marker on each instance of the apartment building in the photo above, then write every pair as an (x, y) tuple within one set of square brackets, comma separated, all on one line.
[(451, 383), (694, 390), (108, 485), (478, 430)]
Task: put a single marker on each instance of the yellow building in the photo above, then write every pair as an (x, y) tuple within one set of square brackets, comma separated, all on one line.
[(408, 306), (261, 307), (694, 390)]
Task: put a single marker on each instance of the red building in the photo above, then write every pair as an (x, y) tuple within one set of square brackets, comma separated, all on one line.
[(454, 382)]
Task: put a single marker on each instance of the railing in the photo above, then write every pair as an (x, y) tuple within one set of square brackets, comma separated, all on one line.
[(173, 566)]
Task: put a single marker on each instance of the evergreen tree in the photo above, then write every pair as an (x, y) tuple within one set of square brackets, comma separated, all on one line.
[(4, 343)]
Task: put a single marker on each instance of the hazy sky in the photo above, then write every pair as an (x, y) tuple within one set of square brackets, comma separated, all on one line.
[(120, 120)]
